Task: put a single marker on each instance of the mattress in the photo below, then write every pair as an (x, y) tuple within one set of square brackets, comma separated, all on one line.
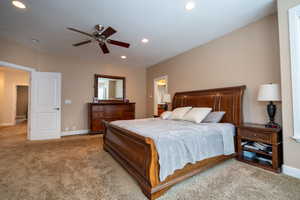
[(181, 142)]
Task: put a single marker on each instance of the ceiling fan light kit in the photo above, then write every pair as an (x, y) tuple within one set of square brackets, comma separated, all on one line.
[(101, 36)]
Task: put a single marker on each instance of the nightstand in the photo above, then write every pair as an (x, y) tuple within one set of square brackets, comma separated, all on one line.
[(160, 108), (155, 116), (260, 146)]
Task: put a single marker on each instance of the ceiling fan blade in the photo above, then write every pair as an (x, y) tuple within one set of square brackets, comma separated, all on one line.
[(79, 31), (104, 48), (118, 43), (108, 32), (81, 43)]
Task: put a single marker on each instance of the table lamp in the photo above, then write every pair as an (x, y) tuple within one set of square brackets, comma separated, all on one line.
[(166, 100), (271, 93)]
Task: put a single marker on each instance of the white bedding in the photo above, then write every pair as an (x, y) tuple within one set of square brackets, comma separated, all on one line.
[(181, 142)]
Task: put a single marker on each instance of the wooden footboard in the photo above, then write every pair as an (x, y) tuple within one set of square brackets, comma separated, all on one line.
[(138, 155)]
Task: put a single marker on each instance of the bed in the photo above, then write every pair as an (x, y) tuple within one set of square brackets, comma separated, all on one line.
[(138, 154)]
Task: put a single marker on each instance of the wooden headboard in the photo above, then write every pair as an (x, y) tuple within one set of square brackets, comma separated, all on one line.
[(228, 99)]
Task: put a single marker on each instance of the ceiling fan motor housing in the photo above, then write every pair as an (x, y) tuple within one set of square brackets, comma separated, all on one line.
[(99, 27)]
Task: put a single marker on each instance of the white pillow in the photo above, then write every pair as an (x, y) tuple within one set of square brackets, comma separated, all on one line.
[(197, 114), (214, 117), (166, 115), (178, 113)]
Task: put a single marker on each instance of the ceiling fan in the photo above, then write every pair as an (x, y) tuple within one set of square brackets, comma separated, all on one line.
[(101, 37)]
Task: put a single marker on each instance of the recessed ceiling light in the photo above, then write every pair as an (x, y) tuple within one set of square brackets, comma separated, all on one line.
[(190, 5), (19, 4), (123, 57), (145, 40)]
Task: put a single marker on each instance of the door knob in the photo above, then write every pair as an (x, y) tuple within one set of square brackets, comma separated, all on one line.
[(56, 108)]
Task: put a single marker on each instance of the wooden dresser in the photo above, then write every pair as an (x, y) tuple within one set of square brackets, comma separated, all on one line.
[(108, 112)]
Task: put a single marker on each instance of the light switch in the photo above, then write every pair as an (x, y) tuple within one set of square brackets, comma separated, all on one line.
[(68, 101)]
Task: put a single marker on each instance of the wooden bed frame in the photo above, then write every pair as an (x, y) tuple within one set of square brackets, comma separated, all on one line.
[(138, 155)]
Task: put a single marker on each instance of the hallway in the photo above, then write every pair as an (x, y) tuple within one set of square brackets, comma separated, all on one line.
[(13, 134)]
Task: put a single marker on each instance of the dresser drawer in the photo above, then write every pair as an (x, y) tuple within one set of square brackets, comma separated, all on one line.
[(252, 135), (97, 108), (98, 115), (109, 112)]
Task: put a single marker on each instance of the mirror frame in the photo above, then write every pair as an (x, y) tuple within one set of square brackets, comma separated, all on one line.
[(97, 76)]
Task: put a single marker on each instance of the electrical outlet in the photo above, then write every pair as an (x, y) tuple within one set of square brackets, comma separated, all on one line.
[(68, 101)]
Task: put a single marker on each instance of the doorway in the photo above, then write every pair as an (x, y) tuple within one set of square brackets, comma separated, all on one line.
[(44, 105), (14, 85), (21, 104), (160, 90)]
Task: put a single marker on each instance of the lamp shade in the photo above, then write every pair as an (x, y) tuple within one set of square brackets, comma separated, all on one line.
[(167, 98), (269, 92)]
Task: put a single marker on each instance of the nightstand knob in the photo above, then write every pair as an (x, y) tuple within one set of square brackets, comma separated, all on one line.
[(255, 134)]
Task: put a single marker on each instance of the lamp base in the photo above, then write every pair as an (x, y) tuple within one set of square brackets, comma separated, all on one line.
[(271, 109), (166, 107), (272, 125)]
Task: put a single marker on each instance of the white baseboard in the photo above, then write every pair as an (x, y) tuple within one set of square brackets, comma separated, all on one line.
[(21, 117), (43, 137), (7, 124), (291, 171), (77, 132)]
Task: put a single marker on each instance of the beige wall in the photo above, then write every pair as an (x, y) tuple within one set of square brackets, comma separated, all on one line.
[(10, 79), (77, 79), (248, 56), (291, 148)]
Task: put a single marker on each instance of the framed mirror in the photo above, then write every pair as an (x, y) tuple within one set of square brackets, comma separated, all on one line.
[(109, 88)]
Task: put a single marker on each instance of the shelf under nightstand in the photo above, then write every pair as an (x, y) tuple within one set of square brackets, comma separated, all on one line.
[(259, 133)]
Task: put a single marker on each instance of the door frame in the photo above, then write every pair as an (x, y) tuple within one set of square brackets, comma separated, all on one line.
[(155, 91), (294, 31), (30, 70)]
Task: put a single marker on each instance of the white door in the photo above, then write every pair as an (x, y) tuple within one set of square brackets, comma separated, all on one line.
[(45, 122)]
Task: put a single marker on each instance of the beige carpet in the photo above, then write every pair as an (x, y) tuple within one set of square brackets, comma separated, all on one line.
[(76, 168)]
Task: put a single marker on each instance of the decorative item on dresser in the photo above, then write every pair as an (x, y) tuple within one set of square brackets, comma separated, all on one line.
[(138, 154), (109, 111), (260, 146)]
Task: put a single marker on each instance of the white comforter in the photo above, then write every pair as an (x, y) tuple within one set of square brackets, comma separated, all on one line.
[(180, 142)]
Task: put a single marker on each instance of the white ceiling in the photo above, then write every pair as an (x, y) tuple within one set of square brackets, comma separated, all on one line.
[(169, 27)]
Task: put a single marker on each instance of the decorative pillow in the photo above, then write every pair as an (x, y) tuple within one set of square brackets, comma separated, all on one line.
[(214, 117), (178, 113), (166, 115), (197, 114)]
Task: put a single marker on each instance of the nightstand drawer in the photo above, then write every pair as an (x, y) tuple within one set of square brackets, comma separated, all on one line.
[(252, 135)]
